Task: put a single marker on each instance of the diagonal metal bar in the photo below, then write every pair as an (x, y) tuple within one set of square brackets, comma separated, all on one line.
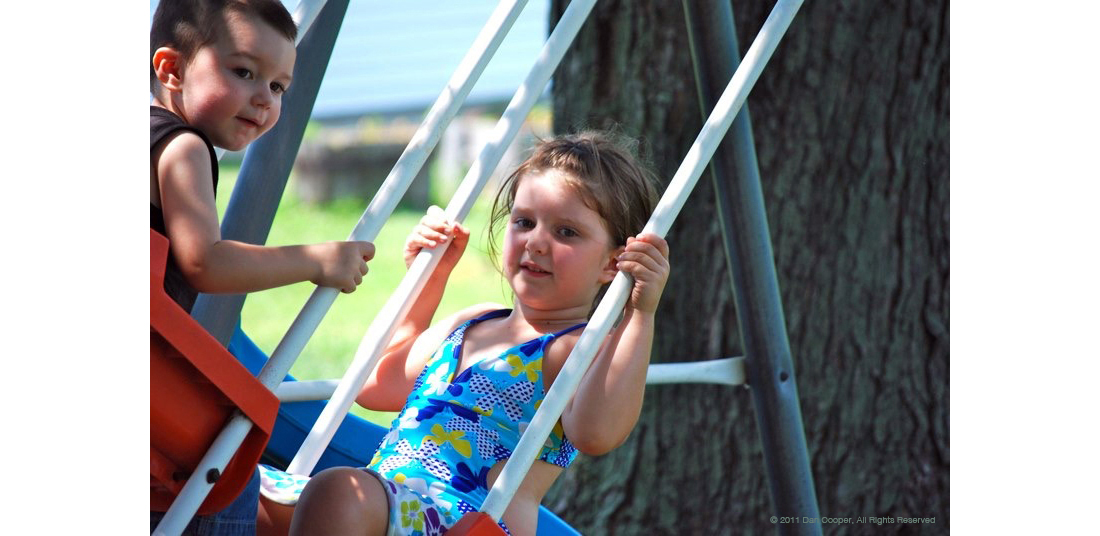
[(744, 224)]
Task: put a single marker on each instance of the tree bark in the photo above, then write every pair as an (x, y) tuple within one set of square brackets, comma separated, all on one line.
[(850, 120)]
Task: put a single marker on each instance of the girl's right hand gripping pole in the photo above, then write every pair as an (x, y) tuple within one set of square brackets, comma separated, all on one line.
[(475, 524)]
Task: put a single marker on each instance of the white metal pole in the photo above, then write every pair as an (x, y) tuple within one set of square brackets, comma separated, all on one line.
[(306, 390), (397, 182), (305, 14), (381, 330), (659, 223), (725, 371)]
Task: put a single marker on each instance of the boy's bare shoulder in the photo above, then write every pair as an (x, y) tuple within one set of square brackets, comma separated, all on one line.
[(183, 148), (184, 142)]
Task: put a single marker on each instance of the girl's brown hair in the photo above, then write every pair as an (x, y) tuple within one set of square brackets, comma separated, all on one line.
[(605, 172)]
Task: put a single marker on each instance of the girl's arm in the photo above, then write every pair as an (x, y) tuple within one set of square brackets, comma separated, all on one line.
[(434, 229), (392, 379), (609, 398), (414, 341), (213, 265)]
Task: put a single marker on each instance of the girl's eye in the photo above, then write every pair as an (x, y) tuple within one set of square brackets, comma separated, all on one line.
[(567, 232), (523, 223), (243, 73)]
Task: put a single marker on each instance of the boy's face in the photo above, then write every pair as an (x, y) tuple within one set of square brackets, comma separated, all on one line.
[(232, 89)]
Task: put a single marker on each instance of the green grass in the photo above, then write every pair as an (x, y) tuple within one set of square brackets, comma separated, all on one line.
[(268, 314)]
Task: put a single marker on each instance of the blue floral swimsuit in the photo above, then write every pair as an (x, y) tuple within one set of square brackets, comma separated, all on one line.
[(436, 457)]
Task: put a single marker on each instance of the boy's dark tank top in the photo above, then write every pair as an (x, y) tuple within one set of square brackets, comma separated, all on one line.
[(163, 124)]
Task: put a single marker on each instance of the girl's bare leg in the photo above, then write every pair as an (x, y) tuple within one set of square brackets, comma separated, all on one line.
[(341, 501), (272, 518)]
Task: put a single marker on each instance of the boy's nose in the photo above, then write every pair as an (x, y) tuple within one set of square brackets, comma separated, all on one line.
[(263, 98)]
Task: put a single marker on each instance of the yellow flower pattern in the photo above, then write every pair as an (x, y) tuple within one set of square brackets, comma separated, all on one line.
[(410, 515), (532, 369), (454, 437)]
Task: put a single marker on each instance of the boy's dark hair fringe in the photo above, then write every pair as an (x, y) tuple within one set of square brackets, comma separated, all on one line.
[(187, 25)]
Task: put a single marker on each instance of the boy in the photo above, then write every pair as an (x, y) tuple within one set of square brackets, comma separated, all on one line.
[(219, 71)]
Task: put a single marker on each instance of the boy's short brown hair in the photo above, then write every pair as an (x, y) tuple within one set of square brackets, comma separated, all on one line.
[(187, 25)]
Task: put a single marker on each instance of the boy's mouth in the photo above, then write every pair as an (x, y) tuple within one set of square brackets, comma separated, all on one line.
[(250, 122)]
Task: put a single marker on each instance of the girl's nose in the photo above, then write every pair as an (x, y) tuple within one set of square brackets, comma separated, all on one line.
[(536, 242)]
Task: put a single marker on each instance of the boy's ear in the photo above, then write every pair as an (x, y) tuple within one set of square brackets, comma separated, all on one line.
[(611, 268), (168, 64)]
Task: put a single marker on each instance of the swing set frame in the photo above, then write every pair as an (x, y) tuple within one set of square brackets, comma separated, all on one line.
[(767, 366)]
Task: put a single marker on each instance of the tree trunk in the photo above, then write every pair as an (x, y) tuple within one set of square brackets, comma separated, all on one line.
[(851, 128)]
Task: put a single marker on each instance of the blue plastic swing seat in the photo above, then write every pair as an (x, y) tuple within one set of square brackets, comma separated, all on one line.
[(354, 443)]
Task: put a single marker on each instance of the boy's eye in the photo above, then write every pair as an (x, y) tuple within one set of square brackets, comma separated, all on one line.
[(278, 88), (567, 232), (243, 73)]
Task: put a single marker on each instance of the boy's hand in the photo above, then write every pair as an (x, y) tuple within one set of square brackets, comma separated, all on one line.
[(646, 259), (342, 265), (435, 229)]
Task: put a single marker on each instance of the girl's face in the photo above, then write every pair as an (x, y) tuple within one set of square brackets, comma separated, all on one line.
[(557, 251), (233, 87)]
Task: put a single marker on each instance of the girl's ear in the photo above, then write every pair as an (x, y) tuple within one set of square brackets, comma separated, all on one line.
[(611, 268), (168, 65)]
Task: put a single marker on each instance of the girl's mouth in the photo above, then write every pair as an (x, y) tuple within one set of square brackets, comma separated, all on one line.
[(533, 269)]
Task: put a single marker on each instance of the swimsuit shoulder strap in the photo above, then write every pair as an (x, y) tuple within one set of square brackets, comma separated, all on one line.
[(568, 329), (459, 332), (490, 315)]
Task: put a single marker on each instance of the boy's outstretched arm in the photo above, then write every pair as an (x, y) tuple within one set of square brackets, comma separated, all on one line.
[(609, 398), (213, 265)]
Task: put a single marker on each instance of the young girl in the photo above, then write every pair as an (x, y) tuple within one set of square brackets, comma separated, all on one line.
[(468, 386)]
